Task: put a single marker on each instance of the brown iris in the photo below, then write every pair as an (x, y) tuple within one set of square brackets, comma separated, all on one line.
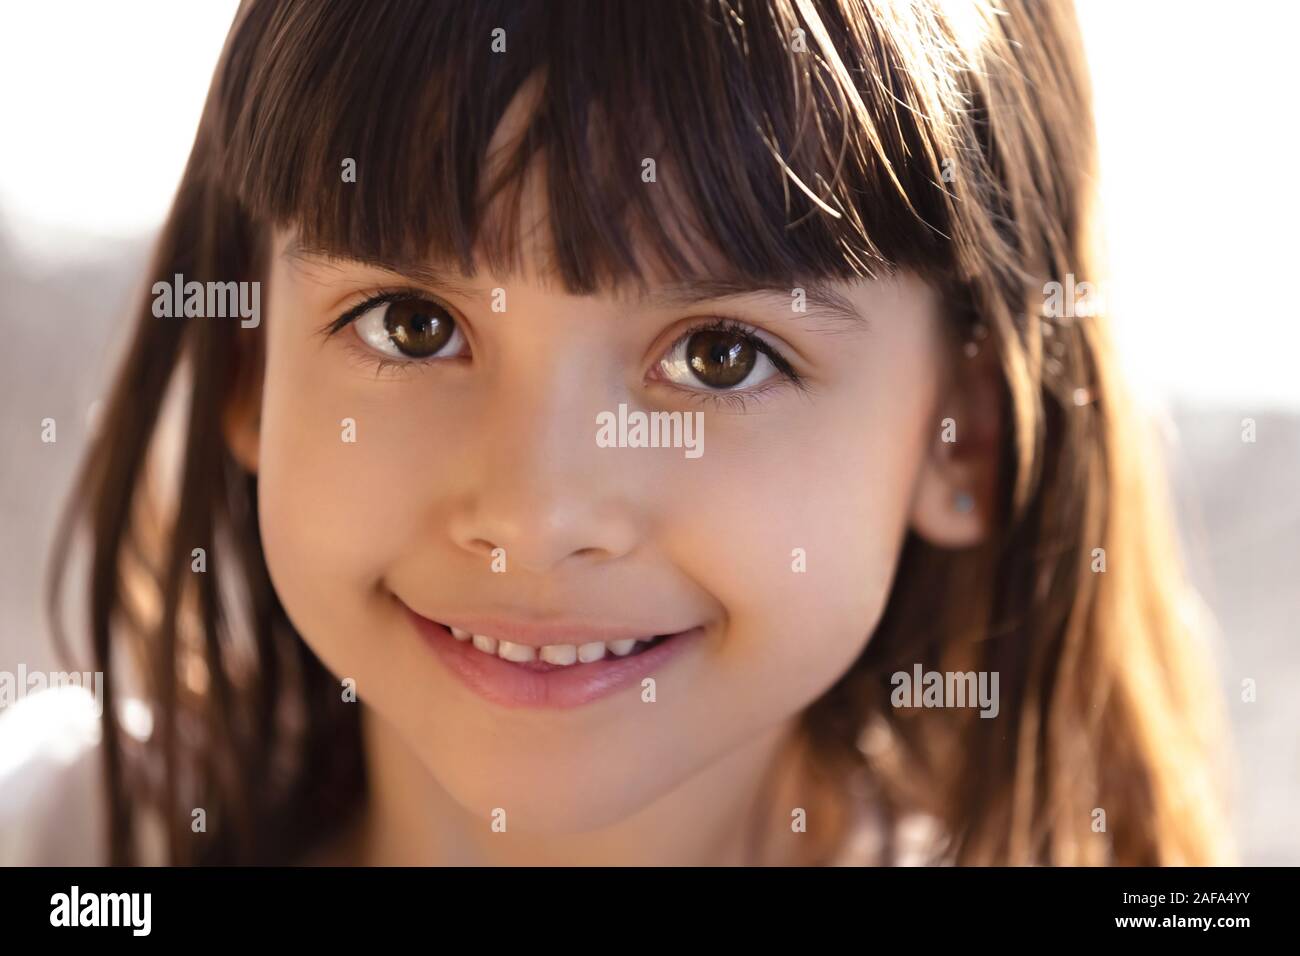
[(719, 358), (419, 328)]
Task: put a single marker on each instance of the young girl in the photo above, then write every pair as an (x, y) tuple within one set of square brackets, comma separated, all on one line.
[(895, 584)]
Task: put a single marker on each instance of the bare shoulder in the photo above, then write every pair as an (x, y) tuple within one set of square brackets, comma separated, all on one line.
[(51, 791)]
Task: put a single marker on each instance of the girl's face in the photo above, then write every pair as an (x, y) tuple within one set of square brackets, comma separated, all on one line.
[(470, 487)]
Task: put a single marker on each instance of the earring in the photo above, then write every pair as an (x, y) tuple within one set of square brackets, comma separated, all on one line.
[(978, 333), (964, 502)]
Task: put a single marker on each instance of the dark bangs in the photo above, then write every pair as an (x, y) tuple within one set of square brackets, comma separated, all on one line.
[(787, 147)]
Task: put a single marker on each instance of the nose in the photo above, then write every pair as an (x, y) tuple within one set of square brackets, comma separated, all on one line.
[(543, 491)]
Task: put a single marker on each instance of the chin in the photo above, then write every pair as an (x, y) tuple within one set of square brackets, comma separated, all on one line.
[(555, 797)]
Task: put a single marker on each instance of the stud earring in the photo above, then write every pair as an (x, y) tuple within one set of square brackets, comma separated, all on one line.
[(964, 502), (978, 333)]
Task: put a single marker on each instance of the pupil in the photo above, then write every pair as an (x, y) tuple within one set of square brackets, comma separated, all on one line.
[(721, 359)]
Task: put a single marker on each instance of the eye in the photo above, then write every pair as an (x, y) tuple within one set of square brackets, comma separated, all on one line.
[(411, 328), (719, 358)]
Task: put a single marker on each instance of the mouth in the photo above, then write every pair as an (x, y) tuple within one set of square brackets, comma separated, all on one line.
[(553, 657), (523, 666)]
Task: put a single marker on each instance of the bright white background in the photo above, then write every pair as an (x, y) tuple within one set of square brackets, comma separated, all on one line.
[(1195, 111)]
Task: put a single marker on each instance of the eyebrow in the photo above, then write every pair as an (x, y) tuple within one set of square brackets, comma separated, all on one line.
[(822, 299), (417, 272)]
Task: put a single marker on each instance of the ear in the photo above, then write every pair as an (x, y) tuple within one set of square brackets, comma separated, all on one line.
[(954, 499), (242, 415)]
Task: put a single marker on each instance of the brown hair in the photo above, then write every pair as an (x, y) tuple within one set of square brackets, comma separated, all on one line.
[(839, 139)]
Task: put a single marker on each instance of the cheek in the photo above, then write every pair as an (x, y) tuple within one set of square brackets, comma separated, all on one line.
[(337, 485), (800, 538)]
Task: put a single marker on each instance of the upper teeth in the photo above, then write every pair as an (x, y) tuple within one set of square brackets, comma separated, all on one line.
[(562, 654)]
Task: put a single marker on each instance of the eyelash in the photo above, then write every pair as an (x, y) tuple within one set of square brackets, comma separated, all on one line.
[(738, 400)]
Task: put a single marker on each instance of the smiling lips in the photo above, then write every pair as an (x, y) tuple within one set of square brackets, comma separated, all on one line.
[(523, 665)]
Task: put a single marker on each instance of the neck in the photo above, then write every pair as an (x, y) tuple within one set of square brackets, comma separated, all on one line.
[(735, 812)]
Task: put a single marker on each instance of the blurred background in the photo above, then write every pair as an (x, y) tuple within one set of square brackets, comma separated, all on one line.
[(1195, 113)]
